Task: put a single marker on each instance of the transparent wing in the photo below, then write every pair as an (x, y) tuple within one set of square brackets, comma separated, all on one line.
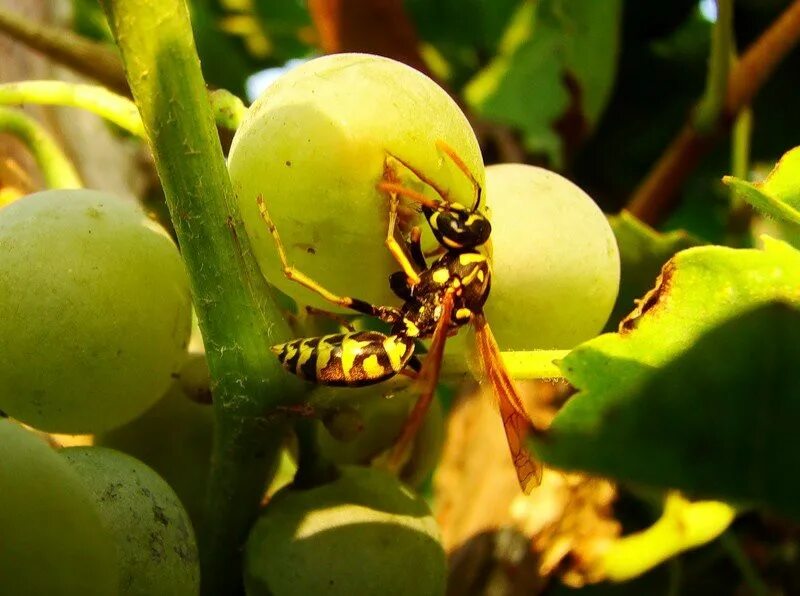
[(516, 422)]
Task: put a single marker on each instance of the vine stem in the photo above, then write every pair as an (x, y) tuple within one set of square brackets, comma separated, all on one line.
[(228, 109), (238, 317), (656, 195), (99, 100), (56, 168), (82, 55)]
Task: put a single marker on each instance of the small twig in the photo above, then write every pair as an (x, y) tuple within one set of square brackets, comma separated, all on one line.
[(93, 98), (749, 573), (711, 105), (56, 167), (658, 193), (82, 55)]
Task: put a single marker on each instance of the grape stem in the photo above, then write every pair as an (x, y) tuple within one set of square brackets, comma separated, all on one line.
[(55, 166), (521, 365), (238, 317), (228, 109)]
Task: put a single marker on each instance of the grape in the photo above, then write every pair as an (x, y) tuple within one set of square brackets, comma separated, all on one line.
[(101, 311), (313, 145), (382, 420), (53, 542), (555, 260), (174, 438), (362, 534), (154, 538)]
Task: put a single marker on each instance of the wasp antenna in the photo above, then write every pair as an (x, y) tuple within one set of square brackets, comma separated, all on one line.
[(456, 158)]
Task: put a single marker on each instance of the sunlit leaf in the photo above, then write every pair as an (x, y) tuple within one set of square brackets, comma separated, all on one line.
[(778, 195), (555, 69), (698, 391)]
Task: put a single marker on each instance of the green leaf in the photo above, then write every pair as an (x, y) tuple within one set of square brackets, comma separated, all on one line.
[(642, 251), (778, 195), (699, 392), (557, 61)]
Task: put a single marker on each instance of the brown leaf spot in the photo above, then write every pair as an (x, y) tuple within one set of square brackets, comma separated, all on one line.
[(650, 303)]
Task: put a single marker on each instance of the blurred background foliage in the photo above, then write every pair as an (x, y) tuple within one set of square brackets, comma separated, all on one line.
[(593, 89)]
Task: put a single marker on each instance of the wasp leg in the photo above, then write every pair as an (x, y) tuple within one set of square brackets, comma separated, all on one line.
[(395, 248), (385, 313), (427, 378), (318, 312), (451, 153)]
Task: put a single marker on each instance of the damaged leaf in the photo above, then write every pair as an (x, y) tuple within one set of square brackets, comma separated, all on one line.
[(642, 252), (695, 392)]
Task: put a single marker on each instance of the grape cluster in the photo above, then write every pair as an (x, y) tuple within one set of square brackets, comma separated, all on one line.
[(97, 321), (313, 148)]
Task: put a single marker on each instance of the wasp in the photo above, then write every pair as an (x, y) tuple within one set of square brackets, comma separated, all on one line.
[(438, 299)]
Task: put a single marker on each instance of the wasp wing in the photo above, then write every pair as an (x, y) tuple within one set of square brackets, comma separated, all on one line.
[(426, 381), (516, 422)]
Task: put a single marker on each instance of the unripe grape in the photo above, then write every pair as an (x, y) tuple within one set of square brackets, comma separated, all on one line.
[(364, 533), (314, 147), (101, 311), (52, 539), (382, 419), (555, 260), (174, 438), (154, 538)]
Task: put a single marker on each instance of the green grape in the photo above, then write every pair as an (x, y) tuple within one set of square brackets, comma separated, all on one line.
[(382, 419), (52, 542), (154, 538), (174, 438), (314, 146), (364, 533), (555, 260), (101, 311)]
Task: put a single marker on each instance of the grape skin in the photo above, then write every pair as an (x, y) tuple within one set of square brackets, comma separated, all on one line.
[(314, 144), (53, 540), (153, 535), (101, 311), (362, 534), (555, 260)]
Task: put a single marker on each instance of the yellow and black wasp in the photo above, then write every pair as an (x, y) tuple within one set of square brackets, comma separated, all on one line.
[(438, 299)]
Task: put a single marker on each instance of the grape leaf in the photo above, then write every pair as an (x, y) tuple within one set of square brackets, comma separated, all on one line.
[(557, 62), (642, 251), (694, 392), (779, 194)]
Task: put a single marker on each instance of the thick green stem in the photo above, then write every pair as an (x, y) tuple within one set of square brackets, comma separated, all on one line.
[(84, 56), (93, 98), (712, 105), (56, 168), (237, 315)]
